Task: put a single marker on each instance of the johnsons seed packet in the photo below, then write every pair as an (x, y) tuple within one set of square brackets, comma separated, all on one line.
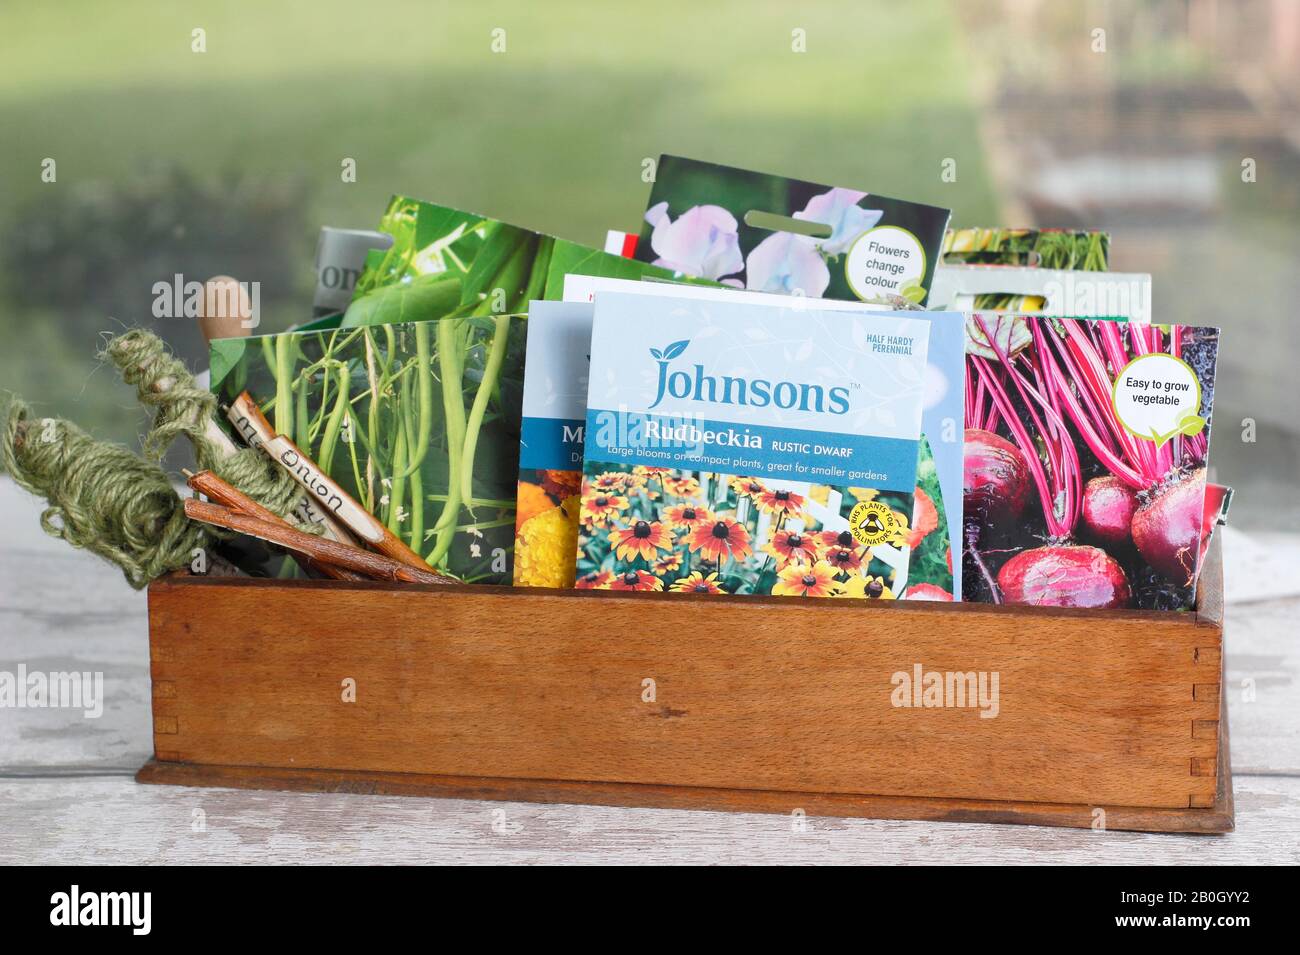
[(735, 449), (935, 536)]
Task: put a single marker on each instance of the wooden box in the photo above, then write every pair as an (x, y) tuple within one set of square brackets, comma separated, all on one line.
[(754, 704)]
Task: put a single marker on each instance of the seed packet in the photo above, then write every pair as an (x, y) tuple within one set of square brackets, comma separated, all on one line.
[(443, 261), (1048, 271), (340, 258), (1064, 249), (736, 449), (1086, 450), (771, 234), (936, 525), (1125, 296), (550, 448), (418, 421)]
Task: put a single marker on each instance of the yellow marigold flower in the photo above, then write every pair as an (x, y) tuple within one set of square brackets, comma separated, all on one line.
[(546, 547)]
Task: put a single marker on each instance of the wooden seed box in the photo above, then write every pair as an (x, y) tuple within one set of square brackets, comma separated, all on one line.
[(757, 704)]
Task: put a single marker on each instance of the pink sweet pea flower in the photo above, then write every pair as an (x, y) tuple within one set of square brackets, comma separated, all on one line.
[(789, 264), (702, 242), (839, 209)]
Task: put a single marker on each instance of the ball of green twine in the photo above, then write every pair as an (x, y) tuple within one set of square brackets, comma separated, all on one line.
[(101, 496), (113, 503)]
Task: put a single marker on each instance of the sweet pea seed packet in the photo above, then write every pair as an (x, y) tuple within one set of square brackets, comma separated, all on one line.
[(771, 234), (738, 449), (936, 525)]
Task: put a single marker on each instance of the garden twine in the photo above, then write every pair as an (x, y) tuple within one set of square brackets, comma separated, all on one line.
[(114, 503)]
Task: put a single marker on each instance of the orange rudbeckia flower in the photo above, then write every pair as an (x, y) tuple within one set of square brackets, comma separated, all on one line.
[(611, 482), (869, 588), (595, 580), (643, 539), (748, 487), (685, 517), (718, 539), (841, 550), (681, 486), (801, 580), (697, 583), (599, 508), (777, 503), (669, 563), (636, 580), (794, 547)]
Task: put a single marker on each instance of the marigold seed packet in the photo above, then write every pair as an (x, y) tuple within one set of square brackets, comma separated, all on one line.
[(772, 234), (735, 449), (550, 448)]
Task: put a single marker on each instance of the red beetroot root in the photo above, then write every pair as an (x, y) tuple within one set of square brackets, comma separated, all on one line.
[(1167, 528), (1064, 576), (996, 478), (926, 592), (1108, 506)]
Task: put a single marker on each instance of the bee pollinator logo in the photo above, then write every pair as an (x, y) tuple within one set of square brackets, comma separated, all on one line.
[(872, 522)]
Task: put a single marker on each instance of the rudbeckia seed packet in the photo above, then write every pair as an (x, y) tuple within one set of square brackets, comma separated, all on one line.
[(935, 533), (735, 449), (771, 234)]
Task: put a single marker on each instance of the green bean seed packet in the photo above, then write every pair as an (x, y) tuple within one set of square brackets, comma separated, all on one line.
[(446, 262), (419, 421)]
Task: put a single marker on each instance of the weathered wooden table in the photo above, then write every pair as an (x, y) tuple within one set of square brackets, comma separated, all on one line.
[(67, 793)]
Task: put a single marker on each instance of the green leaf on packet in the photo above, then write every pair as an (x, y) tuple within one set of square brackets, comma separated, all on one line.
[(226, 354), (1191, 424), (424, 297), (1010, 333)]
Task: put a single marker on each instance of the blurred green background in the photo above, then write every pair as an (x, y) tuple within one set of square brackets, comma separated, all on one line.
[(228, 161)]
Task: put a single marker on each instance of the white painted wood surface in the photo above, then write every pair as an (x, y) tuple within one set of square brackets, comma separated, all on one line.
[(66, 793)]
